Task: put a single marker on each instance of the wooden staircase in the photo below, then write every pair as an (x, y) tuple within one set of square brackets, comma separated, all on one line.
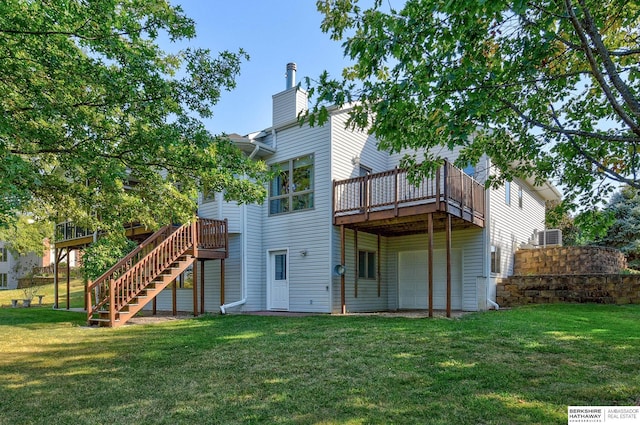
[(138, 278)]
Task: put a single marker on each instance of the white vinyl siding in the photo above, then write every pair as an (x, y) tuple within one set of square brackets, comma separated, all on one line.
[(511, 226), (287, 104), (307, 230), (184, 298)]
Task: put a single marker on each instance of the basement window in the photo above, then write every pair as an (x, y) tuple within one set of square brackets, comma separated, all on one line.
[(495, 259), (3, 281), (366, 264)]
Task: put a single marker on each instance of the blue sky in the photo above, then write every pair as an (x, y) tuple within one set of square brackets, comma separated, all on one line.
[(273, 33)]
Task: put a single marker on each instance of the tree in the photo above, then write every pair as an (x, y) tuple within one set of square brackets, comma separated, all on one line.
[(624, 232), (545, 88), (98, 125)]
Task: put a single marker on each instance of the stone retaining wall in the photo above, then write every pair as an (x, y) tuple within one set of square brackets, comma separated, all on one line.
[(604, 289), (569, 260)]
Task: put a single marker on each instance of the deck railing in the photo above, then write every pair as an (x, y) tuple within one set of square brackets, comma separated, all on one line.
[(394, 189)]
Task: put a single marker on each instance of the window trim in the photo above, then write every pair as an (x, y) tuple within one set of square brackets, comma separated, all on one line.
[(507, 193), (363, 272), (495, 259), (520, 197), (289, 195)]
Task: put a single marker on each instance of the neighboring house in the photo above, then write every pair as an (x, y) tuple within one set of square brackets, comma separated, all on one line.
[(14, 267), (343, 231)]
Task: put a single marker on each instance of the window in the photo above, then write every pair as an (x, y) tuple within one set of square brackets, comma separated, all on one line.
[(208, 195), (292, 187), (367, 264), (3, 255), (520, 196), (363, 171), (280, 272), (3, 281), (495, 259), (507, 193)]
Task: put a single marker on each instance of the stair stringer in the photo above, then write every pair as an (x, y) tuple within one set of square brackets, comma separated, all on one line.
[(151, 290)]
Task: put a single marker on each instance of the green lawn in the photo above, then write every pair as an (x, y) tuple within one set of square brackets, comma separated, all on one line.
[(506, 367), (76, 294)]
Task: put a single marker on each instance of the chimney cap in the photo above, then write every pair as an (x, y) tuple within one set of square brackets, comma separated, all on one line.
[(291, 75)]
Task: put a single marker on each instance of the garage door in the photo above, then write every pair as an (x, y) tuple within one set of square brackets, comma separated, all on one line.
[(413, 279)]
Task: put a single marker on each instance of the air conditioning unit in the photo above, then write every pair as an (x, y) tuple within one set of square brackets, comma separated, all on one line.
[(550, 237)]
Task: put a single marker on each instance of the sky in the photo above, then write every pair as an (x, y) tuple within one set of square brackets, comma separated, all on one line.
[(273, 33)]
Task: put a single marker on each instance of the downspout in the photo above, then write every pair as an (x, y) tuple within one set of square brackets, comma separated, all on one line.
[(243, 287), (487, 241)]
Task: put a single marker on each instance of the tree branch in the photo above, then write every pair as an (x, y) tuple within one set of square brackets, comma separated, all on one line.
[(580, 31), (604, 169), (567, 132)]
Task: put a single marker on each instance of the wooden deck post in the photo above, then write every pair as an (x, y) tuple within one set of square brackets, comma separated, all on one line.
[(343, 305), (112, 303), (68, 279), (378, 266), (448, 265), (356, 262), (87, 301), (430, 262), (56, 282), (222, 281), (194, 279), (174, 295), (201, 287)]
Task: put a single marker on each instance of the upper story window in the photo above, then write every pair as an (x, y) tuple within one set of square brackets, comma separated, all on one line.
[(208, 195), (520, 197), (292, 187), (363, 171), (507, 193), (3, 255)]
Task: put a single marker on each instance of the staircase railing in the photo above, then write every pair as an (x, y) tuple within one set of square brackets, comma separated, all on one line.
[(98, 290), (129, 285), (124, 281)]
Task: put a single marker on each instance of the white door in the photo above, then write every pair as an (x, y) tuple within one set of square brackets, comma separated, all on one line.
[(413, 275), (278, 282), (412, 280)]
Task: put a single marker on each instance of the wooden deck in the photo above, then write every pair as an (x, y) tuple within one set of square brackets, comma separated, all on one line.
[(389, 204)]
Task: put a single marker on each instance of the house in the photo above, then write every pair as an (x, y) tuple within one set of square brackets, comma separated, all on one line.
[(342, 231), (13, 267)]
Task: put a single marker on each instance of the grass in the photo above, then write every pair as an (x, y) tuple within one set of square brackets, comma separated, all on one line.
[(76, 294), (508, 367)]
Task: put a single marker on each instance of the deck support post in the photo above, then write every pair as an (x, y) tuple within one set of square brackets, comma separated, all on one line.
[(430, 263), (201, 287), (56, 282), (222, 302), (448, 265), (378, 274), (174, 296), (68, 279), (343, 304), (194, 279), (356, 262)]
